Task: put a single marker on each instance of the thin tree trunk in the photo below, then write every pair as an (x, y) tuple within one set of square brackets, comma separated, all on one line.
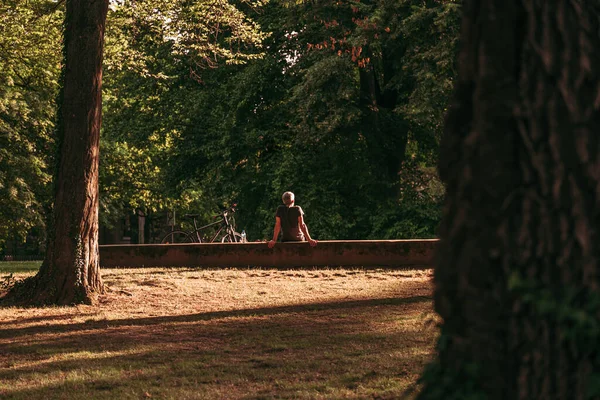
[(70, 272), (388, 133), (517, 279)]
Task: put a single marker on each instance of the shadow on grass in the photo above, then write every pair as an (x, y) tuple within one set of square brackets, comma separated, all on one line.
[(102, 324), (356, 349)]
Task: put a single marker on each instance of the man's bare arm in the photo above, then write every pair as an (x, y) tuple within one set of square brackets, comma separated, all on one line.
[(304, 229), (275, 232)]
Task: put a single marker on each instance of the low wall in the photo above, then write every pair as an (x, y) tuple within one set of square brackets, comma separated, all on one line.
[(347, 253)]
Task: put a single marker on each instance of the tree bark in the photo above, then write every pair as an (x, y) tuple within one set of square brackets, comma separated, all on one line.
[(388, 132), (70, 272), (517, 281)]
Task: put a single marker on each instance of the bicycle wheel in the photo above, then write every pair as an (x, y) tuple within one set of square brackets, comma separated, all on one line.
[(229, 238), (176, 237)]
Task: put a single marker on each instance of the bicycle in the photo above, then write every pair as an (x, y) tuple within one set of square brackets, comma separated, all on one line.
[(225, 232)]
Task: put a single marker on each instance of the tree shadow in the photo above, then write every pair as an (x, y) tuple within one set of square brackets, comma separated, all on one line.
[(265, 311), (315, 349)]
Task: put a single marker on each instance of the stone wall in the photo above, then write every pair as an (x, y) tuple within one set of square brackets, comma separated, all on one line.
[(347, 253)]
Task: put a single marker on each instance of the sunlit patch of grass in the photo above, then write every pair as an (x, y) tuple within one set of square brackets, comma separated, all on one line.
[(225, 334), (7, 267), (72, 356)]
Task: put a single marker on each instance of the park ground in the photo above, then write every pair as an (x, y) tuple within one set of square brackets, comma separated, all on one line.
[(224, 334)]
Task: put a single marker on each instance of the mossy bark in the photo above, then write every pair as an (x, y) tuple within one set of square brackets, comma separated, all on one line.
[(70, 271), (517, 276)]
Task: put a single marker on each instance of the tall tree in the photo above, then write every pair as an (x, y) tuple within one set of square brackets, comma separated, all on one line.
[(70, 272), (517, 281)]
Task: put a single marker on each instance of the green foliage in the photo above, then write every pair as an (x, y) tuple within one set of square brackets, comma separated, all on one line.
[(340, 102), (430, 61), (155, 52), (29, 68), (297, 120), (417, 210)]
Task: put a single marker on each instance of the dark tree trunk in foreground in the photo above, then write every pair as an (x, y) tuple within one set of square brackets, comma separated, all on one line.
[(70, 272), (517, 278)]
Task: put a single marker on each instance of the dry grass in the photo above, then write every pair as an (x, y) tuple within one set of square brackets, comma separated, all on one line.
[(225, 334)]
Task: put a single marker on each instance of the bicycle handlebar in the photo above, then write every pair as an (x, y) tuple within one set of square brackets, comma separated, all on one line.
[(226, 211)]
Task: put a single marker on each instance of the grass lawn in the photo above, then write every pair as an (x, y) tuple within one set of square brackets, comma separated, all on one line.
[(6, 267), (224, 334)]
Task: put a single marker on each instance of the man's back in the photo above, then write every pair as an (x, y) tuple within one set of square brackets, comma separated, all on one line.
[(290, 230)]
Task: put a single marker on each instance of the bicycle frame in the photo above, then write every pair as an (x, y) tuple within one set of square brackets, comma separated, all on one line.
[(224, 224)]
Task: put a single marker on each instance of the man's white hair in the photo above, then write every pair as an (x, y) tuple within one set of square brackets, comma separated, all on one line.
[(288, 198)]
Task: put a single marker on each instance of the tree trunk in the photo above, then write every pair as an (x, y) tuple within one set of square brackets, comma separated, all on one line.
[(517, 281), (388, 132), (70, 272)]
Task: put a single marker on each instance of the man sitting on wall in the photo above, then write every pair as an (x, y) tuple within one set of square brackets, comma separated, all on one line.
[(289, 220)]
